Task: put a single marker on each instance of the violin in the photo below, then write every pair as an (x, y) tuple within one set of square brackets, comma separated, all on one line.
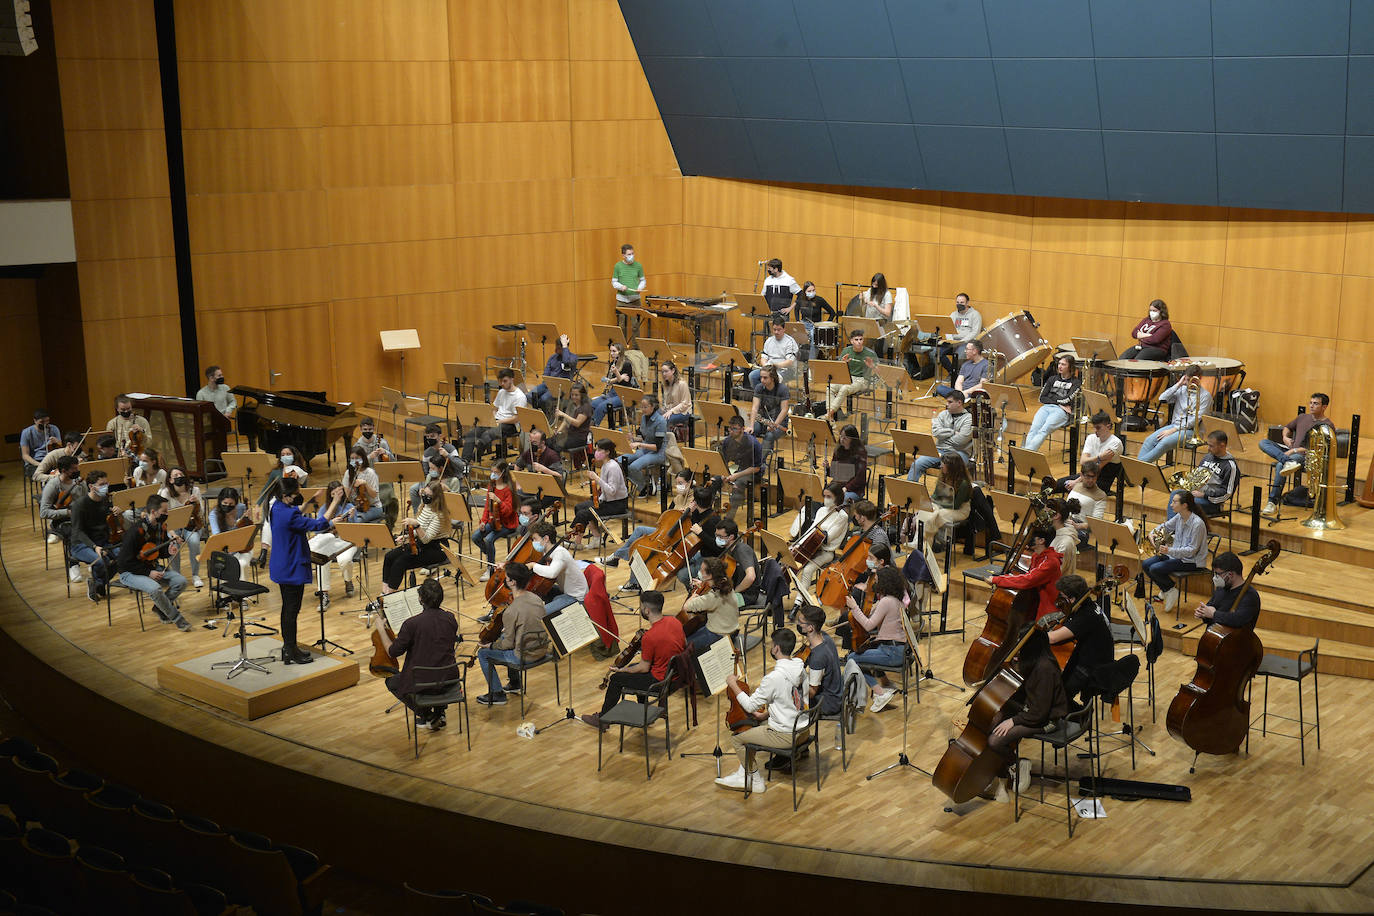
[(413, 539), (115, 523), (136, 440), (1064, 650), (363, 501), (65, 498), (497, 591), (1211, 714), (969, 764), (625, 657), (835, 581), (150, 551)]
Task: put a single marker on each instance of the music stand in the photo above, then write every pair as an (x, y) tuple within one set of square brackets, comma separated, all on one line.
[(1094, 401), (1010, 507), (364, 535), (400, 473), (531, 418), (629, 397), (834, 371), (894, 378), (1144, 474), (90, 440), (914, 443), (801, 486), (716, 416), (774, 545), (618, 439), (461, 373), (115, 468), (179, 518), (1006, 397), (816, 432), (797, 331), (1034, 465), (568, 629), (133, 498), (1234, 441), (641, 318), (320, 561), (758, 305), (1093, 348), (1118, 537), (546, 332), (908, 495), (659, 350), (536, 484), (401, 341), (247, 465), (610, 334), (705, 461), (850, 323), (721, 357)]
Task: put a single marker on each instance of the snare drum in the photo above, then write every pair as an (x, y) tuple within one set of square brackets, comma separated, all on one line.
[(827, 336), (1141, 380), (1018, 339)]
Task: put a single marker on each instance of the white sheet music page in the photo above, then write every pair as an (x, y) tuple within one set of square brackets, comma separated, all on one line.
[(573, 627), (400, 607), (717, 663)]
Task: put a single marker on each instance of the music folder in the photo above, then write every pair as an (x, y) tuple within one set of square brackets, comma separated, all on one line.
[(570, 629)]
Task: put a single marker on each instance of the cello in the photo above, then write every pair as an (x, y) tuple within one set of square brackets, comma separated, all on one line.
[(833, 585), (1211, 714), (1007, 612), (693, 621), (969, 764), (524, 552), (737, 719)]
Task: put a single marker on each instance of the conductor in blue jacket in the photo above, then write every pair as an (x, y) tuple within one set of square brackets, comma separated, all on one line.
[(290, 563)]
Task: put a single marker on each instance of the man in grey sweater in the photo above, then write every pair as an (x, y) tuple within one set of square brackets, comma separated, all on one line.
[(953, 432)]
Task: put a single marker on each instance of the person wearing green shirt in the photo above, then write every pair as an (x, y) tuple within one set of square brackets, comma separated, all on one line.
[(628, 276), (861, 361)]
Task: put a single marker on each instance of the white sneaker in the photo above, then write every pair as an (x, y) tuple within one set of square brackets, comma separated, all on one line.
[(736, 781), (196, 581), (881, 698), (1170, 599), (1021, 773), (1269, 509), (52, 538), (486, 574), (74, 573), (1290, 468)]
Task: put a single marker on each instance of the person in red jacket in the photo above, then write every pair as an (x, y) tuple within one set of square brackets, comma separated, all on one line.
[(1152, 335), (1043, 573), (498, 515)]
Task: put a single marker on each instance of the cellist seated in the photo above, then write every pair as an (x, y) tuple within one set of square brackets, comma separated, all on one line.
[(1228, 577), (681, 501), (522, 639), (778, 692), (1043, 704)]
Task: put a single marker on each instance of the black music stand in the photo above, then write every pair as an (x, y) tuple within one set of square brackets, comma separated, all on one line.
[(243, 661), (320, 561)]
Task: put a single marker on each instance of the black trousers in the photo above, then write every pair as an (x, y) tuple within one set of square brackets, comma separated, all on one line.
[(1139, 351), (424, 715), (622, 681), (583, 515), (399, 560), (291, 596)]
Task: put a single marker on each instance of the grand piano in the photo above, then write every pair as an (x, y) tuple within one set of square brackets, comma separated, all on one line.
[(305, 419)]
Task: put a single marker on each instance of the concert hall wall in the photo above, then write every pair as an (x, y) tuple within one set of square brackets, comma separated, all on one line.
[(353, 167), (1249, 103)]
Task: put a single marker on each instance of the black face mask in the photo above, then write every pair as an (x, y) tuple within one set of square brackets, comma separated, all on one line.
[(126, 414), (367, 434), (219, 381), (426, 499), (431, 441)]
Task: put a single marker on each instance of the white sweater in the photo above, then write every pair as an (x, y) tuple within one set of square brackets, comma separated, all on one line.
[(780, 689)]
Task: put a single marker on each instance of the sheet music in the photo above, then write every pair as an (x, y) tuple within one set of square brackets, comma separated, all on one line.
[(640, 572), (571, 628), (400, 607), (716, 664)]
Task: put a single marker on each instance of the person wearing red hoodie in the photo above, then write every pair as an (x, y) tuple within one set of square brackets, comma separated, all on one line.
[(1042, 574)]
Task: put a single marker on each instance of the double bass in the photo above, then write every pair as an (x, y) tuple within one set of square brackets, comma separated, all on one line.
[(1210, 714), (1007, 613), (970, 764)]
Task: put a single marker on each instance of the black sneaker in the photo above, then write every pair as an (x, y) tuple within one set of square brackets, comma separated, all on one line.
[(492, 699), (438, 722), (348, 589), (513, 688), (631, 586), (92, 592)]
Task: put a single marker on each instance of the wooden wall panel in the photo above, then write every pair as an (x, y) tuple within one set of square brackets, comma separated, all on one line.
[(244, 161), (305, 360), (830, 258), (1281, 301), (392, 268), (897, 214), (724, 253), (1354, 321), (135, 288), (386, 92), (811, 211), (106, 164), (119, 94), (610, 90), (657, 248), (359, 215), (509, 90), (1000, 275), (236, 341), (125, 355), (392, 30), (512, 207), (255, 279), (391, 155), (1313, 242), (23, 359), (86, 29), (1286, 369), (1359, 246), (510, 152), (1190, 290), (1172, 233), (508, 29), (724, 203), (597, 31), (1074, 282), (605, 149), (1095, 227), (250, 94), (915, 265), (604, 203), (986, 220), (360, 366), (265, 30), (258, 221), (1352, 384), (504, 261), (139, 227)]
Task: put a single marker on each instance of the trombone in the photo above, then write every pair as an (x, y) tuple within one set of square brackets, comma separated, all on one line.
[(1193, 407)]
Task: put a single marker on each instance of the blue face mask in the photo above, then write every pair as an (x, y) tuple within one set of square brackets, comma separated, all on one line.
[(872, 563), (720, 542), (538, 546), (288, 460), (524, 521)]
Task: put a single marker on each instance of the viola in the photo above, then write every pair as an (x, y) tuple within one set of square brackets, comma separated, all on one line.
[(137, 440), (832, 588), (413, 539), (1211, 714), (969, 764), (625, 657)]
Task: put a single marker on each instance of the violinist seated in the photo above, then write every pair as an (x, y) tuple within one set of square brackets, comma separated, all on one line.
[(448, 465), (848, 464), (571, 425), (681, 501), (228, 514), (523, 638), (55, 502), (499, 516), (373, 443), (178, 492), (146, 542), (727, 543), (612, 495), (778, 691), (886, 645), (1228, 577), (90, 541), (37, 440), (866, 520), (834, 523), (1043, 703), (131, 431), (426, 640), (824, 681), (569, 583), (662, 640), (328, 544), (71, 445), (1088, 627), (743, 457), (105, 449), (1043, 573), (360, 480), (715, 599), (149, 469), (539, 458), (430, 528), (508, 397)]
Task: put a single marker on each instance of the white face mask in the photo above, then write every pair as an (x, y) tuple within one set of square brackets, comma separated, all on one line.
[(629, 258), (1218, 581), (495, 476), (829, 502), (1154, 315), (357, 462), (681, 488), (811, 294), (872, 563), (143, 465)]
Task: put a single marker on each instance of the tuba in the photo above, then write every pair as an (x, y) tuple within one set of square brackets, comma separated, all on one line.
[(1321, 478)]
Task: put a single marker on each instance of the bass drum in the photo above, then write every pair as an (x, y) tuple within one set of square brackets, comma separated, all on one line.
[(1017, 338)]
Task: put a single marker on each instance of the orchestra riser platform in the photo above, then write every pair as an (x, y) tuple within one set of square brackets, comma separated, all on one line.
[(350, 774)]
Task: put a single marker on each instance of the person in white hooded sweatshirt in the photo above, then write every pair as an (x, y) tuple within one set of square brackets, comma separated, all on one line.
[(781, 691)]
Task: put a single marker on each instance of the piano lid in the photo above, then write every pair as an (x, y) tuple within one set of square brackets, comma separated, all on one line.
[(313, 402)]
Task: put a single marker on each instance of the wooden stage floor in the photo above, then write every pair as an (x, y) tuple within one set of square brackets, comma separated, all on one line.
[(1290, 837)]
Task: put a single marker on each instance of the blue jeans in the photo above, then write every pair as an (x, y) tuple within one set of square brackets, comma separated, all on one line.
[(1160, 441), (640, 463), (488, 659), (877, 655), (944, 391), (1160, 570), (602, 404), (537, 395), (486, 536), (678, 419), (623, 551), (376, 513), (1204, 505), (165, 602), (1281, 457), (83, 553), (1047, 419), (192, 547), (702, 638), (924, 463), (558, 602)]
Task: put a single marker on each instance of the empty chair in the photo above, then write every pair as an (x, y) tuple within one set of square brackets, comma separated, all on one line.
[(107, 816), (155, 894), (59, 801), (19, 778), (103, 878), (49, 871), (275, 879), (437, 903)]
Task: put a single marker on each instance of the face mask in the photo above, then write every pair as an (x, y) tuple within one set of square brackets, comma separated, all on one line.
[(872, 563), (539, 546), (356, 462), (629, 259), (525, 520), (1218, 581), (829, 502), (288, 460), (681, 488), (226, 508), (101, 490), (801, 631), (431, 441), (426, 499), (220, 381), (177, 481), (495, 475), (126, 414), (720, 542), (1154, 316), (874, 290), (143, 465), (961, 305), (811, 294), (432, 475), (367, 434)]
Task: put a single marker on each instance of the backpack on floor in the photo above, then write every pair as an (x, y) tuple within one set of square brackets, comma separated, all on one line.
[(1245, 409)]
